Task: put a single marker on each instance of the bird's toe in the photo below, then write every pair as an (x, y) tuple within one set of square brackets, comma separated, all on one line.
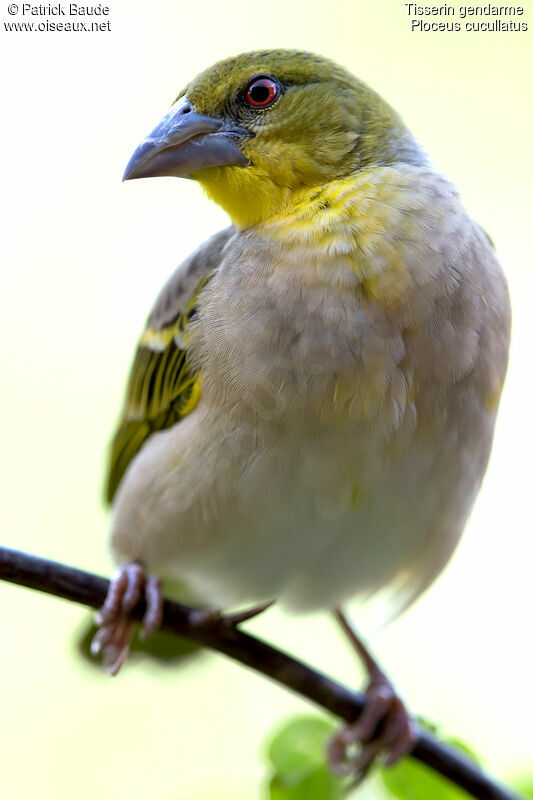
[(153, 617), (128, 586), (385, 730)]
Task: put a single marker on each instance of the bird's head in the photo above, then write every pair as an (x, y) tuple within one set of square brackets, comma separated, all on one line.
[(259, 129)]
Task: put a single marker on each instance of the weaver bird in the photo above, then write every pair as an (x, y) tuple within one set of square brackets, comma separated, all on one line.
[(311, 406)]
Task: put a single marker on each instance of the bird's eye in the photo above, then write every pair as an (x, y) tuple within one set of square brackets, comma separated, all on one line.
[(261, 92)]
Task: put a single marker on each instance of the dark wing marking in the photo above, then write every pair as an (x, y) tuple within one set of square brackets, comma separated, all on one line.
[(163, 387)]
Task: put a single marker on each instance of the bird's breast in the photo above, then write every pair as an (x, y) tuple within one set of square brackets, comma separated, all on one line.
[(286, 337)]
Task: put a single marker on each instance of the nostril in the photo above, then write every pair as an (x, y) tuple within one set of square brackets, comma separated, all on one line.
[(186, 109)]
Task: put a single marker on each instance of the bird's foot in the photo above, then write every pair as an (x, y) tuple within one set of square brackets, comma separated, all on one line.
[(385, 730), (129, 584)]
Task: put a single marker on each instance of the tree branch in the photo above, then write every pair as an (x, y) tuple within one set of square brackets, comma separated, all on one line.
[(90, 590)]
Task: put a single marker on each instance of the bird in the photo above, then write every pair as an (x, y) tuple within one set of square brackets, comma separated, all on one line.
[(311, 405)]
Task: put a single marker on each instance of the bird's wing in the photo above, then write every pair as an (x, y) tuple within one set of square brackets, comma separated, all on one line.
[(162, 386)]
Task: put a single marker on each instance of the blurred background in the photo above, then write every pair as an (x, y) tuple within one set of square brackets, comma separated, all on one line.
[(83, 257)]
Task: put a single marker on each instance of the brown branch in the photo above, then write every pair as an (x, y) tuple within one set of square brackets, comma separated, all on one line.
[(90, 590)]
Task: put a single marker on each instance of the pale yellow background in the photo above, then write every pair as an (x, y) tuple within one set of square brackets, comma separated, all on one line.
[(83, 257)]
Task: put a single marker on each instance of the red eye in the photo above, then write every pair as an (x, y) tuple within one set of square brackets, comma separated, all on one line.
[(261, 92)]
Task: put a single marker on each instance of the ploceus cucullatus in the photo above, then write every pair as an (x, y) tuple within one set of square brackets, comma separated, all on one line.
[(311, 405)]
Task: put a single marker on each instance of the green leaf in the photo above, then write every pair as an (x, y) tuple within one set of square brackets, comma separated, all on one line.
[(320, 784), (300, 745), (297, 754), (410, 780)]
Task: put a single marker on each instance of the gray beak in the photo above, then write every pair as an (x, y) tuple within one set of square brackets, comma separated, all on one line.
[(184, 142)]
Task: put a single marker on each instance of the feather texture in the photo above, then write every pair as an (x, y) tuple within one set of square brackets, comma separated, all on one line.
[(350, 339), (163, 387)]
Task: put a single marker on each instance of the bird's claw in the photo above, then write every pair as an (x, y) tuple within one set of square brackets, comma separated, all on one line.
[(385, 730), (207, 618), (128, 585)]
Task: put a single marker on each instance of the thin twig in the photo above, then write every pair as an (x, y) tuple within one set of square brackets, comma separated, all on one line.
[(90, 590)]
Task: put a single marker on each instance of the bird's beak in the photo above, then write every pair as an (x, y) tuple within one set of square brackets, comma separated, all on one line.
[(184, 142)]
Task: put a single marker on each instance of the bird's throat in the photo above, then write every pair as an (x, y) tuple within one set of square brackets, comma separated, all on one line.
[(247, 194)]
